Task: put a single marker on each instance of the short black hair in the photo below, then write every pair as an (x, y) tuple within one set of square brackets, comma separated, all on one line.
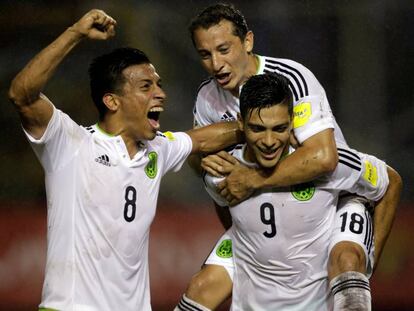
[(105, 73), (214, 14), (264, 91)]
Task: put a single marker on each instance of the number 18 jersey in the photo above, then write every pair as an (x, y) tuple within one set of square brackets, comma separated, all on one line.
[(281, 237)]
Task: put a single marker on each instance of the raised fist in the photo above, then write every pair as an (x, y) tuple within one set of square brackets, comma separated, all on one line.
[(96, 25)]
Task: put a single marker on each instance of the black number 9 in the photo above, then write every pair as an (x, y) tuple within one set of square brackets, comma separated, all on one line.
[(267, 215)]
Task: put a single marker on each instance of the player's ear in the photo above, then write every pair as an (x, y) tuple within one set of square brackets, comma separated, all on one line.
[(249, 42), (240, 122), (110, 101)]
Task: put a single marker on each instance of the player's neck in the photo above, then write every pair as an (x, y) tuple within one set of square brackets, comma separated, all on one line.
[(113, 129), (252, 70)]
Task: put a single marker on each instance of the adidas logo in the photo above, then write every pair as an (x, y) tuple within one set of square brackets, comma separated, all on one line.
[(227, 116), (103, 159)]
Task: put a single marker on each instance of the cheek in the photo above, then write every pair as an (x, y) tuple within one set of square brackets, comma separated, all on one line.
[(139, 104), (253, 140), (240, 61), (286, 138), (206, 65)]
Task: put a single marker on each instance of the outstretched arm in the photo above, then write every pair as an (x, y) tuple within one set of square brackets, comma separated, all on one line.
[(34, 108), (385, 212), (215, 137), (315, 157)]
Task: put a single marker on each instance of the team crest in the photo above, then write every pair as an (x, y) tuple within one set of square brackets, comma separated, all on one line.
[(151, 168), (225, 249), (303, 192)]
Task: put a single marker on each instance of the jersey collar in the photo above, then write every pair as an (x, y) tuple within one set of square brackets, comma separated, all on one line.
[(119, 142), (260, 68)]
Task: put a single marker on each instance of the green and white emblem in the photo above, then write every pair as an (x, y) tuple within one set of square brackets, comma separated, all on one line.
[(225, 249), (151, 168), (303, 192)]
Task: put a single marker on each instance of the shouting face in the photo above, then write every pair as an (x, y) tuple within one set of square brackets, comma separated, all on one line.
[(141, 102), (225, 56)]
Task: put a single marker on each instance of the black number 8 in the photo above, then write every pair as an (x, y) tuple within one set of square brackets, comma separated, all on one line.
[(268, 219), (130, 206)]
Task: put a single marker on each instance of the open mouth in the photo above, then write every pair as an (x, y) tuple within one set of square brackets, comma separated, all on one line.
[(269, 154), (154, 116), (223, 78)]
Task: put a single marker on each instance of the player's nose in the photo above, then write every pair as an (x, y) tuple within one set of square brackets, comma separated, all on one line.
[(159, 93), (269, 140), (216, 63)]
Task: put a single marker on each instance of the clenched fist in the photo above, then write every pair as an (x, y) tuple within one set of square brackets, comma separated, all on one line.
[(96, 25)]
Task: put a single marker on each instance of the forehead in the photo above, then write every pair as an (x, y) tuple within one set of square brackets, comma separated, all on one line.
[(271, 116), (141, 72), (216, 33)]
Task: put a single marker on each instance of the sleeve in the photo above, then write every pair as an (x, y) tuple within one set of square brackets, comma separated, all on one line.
[(310, 117), (312, 113), (59, 143), (360, 173), (202, 111), (210, 184), (177, 147)]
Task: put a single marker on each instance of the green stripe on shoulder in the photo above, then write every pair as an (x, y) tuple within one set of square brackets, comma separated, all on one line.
[(47, 309)]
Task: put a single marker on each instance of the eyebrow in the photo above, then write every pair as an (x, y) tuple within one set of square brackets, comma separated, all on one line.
[(222, 44), (261, 124), (145, 80), (217, 47)]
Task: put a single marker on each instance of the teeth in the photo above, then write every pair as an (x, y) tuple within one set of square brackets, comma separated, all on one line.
[(221, 75), (269, 151), (156, 109)]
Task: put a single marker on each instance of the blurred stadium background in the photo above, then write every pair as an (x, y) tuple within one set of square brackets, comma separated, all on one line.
[(360, 50)]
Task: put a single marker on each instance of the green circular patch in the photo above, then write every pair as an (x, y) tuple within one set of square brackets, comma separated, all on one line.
[(151, 168), (225, 249), (303, 192)]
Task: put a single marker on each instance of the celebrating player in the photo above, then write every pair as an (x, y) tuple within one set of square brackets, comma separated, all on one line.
[(225, 45), (282, 236), (102, 181)]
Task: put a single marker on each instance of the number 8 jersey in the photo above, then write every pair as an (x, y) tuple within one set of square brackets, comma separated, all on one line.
[(100, 206), (281, 237)]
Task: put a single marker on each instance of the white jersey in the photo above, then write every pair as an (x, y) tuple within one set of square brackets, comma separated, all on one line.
[(100, 206), (281, 237), (312, 113)]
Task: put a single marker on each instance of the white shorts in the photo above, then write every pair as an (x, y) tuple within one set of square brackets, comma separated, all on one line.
[(353, 222), (222, 254)]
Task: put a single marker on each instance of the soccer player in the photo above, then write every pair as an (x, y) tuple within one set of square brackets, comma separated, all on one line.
[(282, 236), (102, 181), (225, 44)]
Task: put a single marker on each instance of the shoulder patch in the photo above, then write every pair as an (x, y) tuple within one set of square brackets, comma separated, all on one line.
[(370, 174), (301, 114), (169, 135)]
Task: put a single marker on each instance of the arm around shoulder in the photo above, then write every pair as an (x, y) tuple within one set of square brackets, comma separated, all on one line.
[(315, 157), (385, 211), (214, 137)]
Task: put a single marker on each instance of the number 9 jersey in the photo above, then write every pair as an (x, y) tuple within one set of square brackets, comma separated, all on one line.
[(282, 236)]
